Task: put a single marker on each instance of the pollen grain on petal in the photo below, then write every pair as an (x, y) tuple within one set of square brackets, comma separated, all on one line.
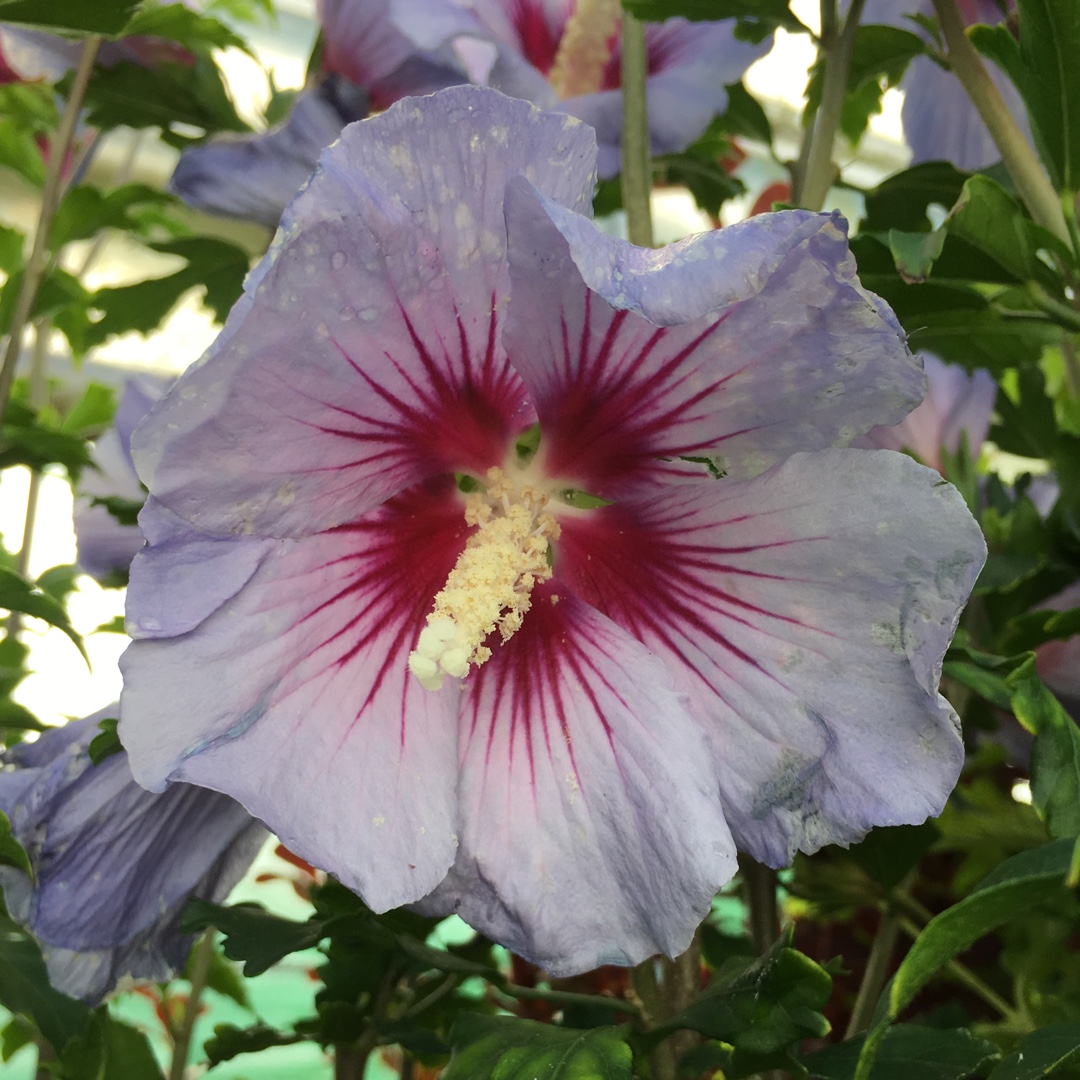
[(490, 586)]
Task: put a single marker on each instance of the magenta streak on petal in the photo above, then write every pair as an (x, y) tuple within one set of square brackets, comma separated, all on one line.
[(531, 674), (642, 573), (406, 549), (539, 44), (439, 418), (619, 408)]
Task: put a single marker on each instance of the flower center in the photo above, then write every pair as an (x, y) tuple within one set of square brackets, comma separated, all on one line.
[(585, 48), (491, 584)]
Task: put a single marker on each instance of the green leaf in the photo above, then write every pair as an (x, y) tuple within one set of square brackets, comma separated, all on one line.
[(11, 851), (1011, 889), (178, 23), (907, 1051), (16, 717), (251, 933), (745, 116), (17, 594), (218, 266), (106, 742), (110, 1050), (85, 211), (900, 201), (761, 1005), (763, 16), (25, 989), (1046, 1052), (59, 581), (92, 413), (12, 243), (879, 59), (1049, 45), (125, 511), (506, 1048), (1037, 627), (74, 16), (990, 219), (984, 673), (167, 97), (915, 253), (25, 442), (230, 1041), (1055, 755), (886, 855)]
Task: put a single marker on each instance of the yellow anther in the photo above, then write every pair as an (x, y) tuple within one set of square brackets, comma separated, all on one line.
[(490, 586), (585, 48)]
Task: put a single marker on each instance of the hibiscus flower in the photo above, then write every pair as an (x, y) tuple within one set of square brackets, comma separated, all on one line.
[(566, 55), (500, 563), (113, 864)]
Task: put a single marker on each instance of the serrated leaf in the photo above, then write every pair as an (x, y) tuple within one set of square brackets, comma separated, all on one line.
[(73, 16), (251, 933), (176, 22), (11, 851), (1044, 1053), (216, 265), (907, 1051), (1012, 888), (762, 15), (84, 211), (17, 594), (1055, 755), (25, 989), (506, 1048), (879, 59), (229, 1041), (168, 96), (745, 116), (763, 1005)]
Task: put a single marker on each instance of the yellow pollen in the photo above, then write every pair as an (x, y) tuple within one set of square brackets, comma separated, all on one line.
[(585, 48), (491, 584)]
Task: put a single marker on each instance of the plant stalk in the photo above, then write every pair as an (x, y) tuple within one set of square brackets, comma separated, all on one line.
[(200, 972), (812, 185), (50, 199), (1019, 158), (634, 151)]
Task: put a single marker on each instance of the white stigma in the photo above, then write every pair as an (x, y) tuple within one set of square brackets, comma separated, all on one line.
[(491, 584)]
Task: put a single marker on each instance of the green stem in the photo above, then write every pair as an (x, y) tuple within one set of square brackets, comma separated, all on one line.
[(636, 160), (200, 972), (1061, 313), (967, 978), (665, 988), (350, 1059), (50, 199), (38, 393), (812, 186), (759, 895), (1016, 153), (875, 974)]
